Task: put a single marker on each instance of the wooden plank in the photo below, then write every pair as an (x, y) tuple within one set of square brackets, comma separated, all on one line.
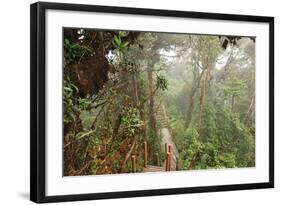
[(153, 169), (133, 158), (168, 161), (145, 153)]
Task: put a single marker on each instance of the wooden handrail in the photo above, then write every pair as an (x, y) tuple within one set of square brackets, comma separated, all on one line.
[(169, 161), (133, 158), (145, 153), (168, 155), (168, 149)]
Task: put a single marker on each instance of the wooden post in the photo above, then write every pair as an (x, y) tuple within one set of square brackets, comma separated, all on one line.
[(168, 161), (133, 158), (171, 155), (170, 150), (145, 153)]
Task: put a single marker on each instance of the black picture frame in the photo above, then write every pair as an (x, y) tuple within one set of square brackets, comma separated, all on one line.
[(38, 101)]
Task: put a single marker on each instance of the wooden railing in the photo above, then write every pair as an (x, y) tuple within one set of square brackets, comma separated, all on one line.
[(145, 153), (134, 167), (166, 166), (168, 152)]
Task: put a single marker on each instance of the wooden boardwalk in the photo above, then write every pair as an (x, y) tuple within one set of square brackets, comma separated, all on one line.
[(168, 146), (167, 140), (151, 168)]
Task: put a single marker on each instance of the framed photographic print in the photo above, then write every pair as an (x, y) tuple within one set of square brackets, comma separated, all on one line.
[(129, 102)]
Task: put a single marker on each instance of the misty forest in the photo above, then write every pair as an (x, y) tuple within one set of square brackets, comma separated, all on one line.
[(150, 102)]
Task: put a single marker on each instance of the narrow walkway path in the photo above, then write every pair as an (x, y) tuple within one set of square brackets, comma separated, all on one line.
[(151, 168), (167, 138), (162, 119)]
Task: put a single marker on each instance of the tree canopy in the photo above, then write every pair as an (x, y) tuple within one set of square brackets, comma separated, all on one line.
[(123, 88)]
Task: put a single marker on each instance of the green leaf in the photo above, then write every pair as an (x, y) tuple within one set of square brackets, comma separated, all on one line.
[(117, 40), (75, 87), (66, 41), (124, 45), (67, 89), (114, 44)]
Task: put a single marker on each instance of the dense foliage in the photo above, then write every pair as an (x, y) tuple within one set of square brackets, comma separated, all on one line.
[(115, 82)]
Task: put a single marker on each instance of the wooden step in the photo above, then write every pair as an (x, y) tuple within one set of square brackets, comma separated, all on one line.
[(151, 168)]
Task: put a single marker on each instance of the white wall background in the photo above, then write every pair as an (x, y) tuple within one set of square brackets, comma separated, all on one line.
[(14, 101)]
